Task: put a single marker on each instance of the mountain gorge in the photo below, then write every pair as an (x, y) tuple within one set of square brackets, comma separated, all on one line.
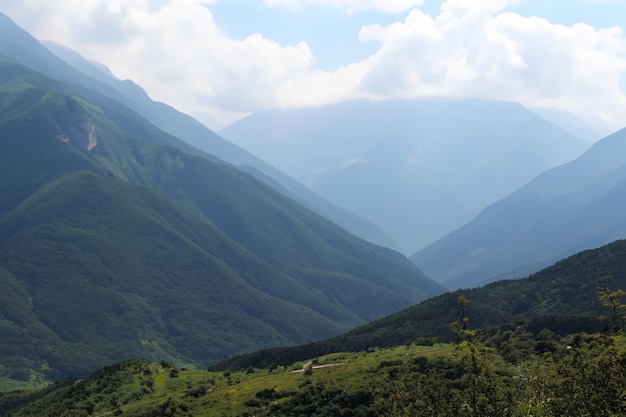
[(402, 164), (119, 240), (576, 206)]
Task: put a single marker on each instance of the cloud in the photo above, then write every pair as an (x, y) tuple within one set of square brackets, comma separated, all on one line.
[(173, 49), (477, 49), (471, 48), (350, 6)]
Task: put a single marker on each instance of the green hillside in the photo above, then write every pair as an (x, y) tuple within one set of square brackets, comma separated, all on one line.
[(580, 375), (117, 244), (562, 298), (127, 99), (520, 368), (119, 271)]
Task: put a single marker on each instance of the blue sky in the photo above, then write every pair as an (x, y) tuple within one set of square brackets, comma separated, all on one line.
[(222, 59), (333, 34)]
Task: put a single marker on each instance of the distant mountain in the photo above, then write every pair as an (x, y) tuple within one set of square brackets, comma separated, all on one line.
[(72, 69), (563, 298), (418, 169), (579, 205), (573, 124), (116, 243)]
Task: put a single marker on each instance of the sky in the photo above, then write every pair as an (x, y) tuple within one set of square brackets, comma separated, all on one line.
[(219, 60)]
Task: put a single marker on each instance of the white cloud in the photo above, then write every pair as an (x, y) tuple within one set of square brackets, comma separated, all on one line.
[(350, 6), (472, 48), (173, 49), (475, 49)]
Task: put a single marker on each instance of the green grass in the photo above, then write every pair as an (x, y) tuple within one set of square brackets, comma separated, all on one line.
[(8, 384), (581, 375), (137, 387)]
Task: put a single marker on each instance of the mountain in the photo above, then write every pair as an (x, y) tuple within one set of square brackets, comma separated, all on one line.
[(418, 169), (563, 298), (71, 68), (116, 243), (131, 93), (528, 356), (196, 134), (573, 124), (573, 207)]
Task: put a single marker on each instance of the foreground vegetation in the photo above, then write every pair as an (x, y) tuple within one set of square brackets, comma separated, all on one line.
[(513, 373), (513, 370)]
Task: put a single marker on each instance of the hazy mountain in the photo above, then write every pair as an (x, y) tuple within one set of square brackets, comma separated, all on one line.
[(418, 169), (114, 243), (74, 70), (563, 298), (576, 206), (573, 124)]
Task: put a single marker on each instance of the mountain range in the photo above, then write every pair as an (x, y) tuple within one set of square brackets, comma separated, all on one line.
[(118, 239), (576, 206), (71, 68), (403, 164)]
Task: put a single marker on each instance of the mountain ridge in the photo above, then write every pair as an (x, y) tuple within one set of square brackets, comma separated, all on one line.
[(553, 216), (199, 136)]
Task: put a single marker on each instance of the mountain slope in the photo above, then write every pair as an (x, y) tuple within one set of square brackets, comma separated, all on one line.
[(118, 244), (75, 71), (563, 298), (117, 271), (225, 196), (491, 373), (567, 209), (401, 164), (573, 124)]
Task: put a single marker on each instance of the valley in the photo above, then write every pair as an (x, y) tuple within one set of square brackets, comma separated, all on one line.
[(401, 164)]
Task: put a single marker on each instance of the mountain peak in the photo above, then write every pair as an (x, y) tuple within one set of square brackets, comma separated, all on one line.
[(426, 159)]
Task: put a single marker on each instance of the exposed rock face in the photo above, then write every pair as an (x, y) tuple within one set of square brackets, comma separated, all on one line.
[(89, 125), (81, 132)]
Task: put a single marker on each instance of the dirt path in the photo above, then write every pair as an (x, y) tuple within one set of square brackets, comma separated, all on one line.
[(308, 365)]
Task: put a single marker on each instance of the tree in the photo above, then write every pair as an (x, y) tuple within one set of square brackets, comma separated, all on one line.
[(460, 327), (612, 300)]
